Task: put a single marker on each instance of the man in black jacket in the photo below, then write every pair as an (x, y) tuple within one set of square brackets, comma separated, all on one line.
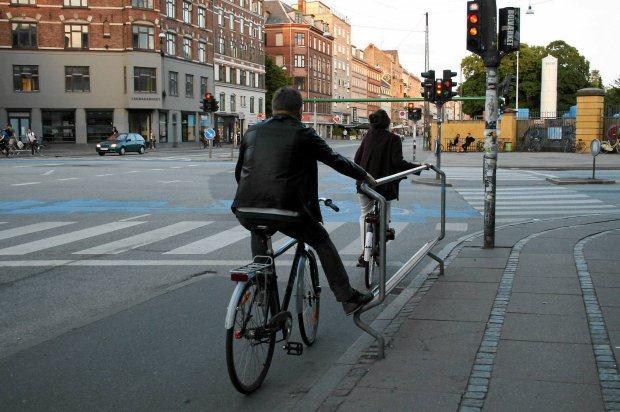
[(277, 176)]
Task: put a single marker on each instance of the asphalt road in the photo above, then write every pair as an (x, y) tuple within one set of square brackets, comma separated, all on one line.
[(113, 274)]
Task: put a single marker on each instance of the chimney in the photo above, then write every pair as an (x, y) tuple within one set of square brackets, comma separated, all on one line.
[(300, 6)]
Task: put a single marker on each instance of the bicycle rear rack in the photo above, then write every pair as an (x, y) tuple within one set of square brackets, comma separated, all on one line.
[(387, 285)]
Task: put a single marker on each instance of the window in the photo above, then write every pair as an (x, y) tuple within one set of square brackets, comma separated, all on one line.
[(222, 73), (300, 83), (23, 2), (144, 80), (204, 85), (202, 17), (241, 23), (24, 35), (220, 17), (98, 125), (143, 37), (187, 12), (300, 60), (189, 85), (75, 3), (202, 52), (242, 101), (170, 8), (252, 104), (250, 29), (26, 78), (163, 127), (173, 83), (171, 44), (142, 4), (279, 39), (231, 21), (243, 79), (279, 60), (220, 46), (233, 75), (58, 125), (222, 102), (233, 103), (300, 39), (77, 79), (76, 36), (187, 48), (260, 104)]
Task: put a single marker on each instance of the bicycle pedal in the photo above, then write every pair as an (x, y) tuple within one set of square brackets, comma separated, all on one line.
[(294, 348)]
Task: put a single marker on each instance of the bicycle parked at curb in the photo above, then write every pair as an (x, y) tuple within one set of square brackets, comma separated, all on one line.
[(255, 314)]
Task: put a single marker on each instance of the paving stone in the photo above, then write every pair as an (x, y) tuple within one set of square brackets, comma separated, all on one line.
[(603, 266), (479, 252), (539, 264), (462, 290), (606, 280), (546, 328), (474, 310), (608, 297), (532, 284), (440, 336), (545, 304), (559, 246), (479, 262), (533, 395), (565, 362), (375, 399), (476, 275)]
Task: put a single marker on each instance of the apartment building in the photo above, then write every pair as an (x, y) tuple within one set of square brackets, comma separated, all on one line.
[(78, 67), (340, 28), (239, 65), (302, 45)]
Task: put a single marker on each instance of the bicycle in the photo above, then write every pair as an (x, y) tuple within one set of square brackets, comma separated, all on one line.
[(371, 245), (255, 314)]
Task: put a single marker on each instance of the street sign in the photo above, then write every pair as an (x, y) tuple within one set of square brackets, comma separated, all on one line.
[(509, 36), (260, 116), (595, 147), (402, 114), (209, 134), (337, 119)]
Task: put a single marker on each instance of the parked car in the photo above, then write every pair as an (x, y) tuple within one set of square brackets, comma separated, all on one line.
[(124, 142)]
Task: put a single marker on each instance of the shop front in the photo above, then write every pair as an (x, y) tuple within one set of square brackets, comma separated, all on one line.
[(228, 125), (140, 122), (20, 123), (99, 124), (58, 126)]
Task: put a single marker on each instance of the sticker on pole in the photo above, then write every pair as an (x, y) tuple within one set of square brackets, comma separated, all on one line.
[(336, 119), (209, 134), (402, 114)]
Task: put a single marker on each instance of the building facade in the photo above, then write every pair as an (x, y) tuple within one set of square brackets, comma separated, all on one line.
[(340, 28), (374, 87), (79, 67), (302, 46), (239, 65)]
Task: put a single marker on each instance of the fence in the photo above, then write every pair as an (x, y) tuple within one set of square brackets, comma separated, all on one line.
[(546, 133), (611, 125)]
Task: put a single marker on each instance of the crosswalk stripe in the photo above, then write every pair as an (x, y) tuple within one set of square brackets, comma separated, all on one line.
[(519, 188), (142, 239), (211, 243), (33, 228), (555, 207), (329, 227), (567, 196), (557, 212), (515, 192), (354, 246), (540, 202), (66, 238)]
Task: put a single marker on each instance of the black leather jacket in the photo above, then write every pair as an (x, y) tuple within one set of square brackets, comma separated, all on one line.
[(277, 167)]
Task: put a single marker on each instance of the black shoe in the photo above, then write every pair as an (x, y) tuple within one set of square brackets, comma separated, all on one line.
[(356, 301), (390, 234), (361, 263)]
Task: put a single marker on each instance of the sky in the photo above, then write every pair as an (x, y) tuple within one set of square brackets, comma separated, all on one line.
[(592, 26)]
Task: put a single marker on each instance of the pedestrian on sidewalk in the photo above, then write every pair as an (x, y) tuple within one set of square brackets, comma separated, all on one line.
[(217, 140), (32, 141), (469, 139), (380, 154), (152, 141)]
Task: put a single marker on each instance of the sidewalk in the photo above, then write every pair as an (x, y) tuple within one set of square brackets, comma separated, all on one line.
[(533, 324)]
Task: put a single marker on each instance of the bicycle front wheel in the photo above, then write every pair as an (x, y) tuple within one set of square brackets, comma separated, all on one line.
[(249, 346), (308, 297)]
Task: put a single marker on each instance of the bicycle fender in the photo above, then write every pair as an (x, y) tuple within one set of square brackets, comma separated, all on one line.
[(232, 305)]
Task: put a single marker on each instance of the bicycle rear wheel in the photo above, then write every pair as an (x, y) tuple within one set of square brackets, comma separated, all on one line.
[(249, 348), (308, 297), (372, 263)]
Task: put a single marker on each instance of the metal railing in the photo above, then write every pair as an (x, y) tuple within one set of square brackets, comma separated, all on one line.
[(387, 285)]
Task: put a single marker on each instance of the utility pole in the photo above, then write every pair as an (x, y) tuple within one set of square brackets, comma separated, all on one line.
[(427, 127)]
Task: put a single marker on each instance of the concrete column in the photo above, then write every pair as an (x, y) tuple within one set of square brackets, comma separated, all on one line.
[(121, 120), (36, 122), (590, 104), (80, 126)]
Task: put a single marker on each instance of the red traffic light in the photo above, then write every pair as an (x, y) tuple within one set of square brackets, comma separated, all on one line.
[(208, 96), (473, 18)]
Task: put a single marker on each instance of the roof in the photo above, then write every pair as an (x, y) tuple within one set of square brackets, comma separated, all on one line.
[(278, 12)]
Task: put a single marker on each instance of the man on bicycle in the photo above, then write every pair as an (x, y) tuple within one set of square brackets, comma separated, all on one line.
[(277, 176)]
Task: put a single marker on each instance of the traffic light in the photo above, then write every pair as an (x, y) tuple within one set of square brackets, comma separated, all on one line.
[(417, 114), (207, 103), (438, 93), (448, 84), (410, 110), (474, 28), (428, 85), (215, 105)]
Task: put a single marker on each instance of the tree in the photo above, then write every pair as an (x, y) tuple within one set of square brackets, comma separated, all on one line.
[(275, 77), (595, 79), (612, 93), (573, 74)]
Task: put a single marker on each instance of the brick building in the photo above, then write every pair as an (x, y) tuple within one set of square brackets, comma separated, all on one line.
[(303, 46), (239, 59), (374, 87), (77, 67)]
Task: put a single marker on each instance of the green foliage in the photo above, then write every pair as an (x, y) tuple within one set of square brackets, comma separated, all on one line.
[(275, 78), (573, 74), (595, 79), (612, 93)]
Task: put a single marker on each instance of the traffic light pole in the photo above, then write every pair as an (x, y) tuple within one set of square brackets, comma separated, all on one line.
[(438, 139), (489, 163)]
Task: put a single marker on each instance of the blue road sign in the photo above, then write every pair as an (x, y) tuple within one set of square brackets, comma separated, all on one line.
[(209, 133)]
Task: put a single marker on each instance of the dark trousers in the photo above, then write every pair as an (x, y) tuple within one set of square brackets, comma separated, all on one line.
[(313, 234)]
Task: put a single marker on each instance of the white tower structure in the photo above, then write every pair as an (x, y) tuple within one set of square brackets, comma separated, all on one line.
[(549, 87)]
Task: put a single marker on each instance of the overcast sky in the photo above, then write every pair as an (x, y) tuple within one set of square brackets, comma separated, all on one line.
[(592, 26)]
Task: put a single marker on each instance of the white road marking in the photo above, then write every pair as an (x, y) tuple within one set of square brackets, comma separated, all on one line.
[(228, 264), (66, 238), (540, 202), (33, 228), (49, 172), (52, 164), (107, 174), (507, 197), (155, 170), (329, 227), (134, 171), (166, 182), (453, 227), (142, 239), (135, 217), (211, 243), (354, 247), (25, 184), (68, 178)]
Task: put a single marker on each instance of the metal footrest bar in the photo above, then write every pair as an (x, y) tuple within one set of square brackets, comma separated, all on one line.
[(385, 286)]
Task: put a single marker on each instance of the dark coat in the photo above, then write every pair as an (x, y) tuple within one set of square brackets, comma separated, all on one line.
[(277, 167), (381, 154)]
